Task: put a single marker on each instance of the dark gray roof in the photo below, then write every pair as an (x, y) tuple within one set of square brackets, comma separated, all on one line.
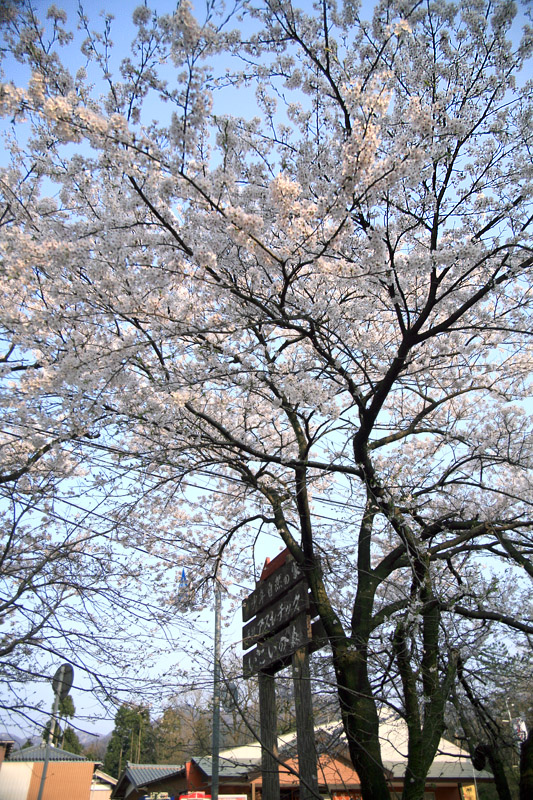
[(141, 774), (135, 776), (227, 768), (37, 753)]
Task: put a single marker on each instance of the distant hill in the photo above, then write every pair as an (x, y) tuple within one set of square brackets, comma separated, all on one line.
[(95, 743)]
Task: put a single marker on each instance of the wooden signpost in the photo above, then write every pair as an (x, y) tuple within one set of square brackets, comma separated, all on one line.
[(279, 625), (270, 589), (276, 616)]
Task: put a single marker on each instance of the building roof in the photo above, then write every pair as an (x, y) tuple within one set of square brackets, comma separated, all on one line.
[(250, 753), (227, 767), (450, 762), (137, 775), (146, 773), (37, 753), (462, 769), (238, 764), (103, 778)]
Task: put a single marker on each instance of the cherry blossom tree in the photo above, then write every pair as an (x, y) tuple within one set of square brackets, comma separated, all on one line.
[(311, 319), (70, 590)]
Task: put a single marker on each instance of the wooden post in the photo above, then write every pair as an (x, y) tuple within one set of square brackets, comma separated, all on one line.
[(307, 756), (269, 738), (279, 624)]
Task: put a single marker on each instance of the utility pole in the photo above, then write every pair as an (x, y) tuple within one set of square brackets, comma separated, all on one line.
[(61, 684), (216, 696)]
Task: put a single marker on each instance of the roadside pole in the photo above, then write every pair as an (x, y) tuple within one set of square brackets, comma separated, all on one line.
[(61, 684), (216, 696)]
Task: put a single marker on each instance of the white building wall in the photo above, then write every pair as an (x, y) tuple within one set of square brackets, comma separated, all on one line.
[(15, 779)]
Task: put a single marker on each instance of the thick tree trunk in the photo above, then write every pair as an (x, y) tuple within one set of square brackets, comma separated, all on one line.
[(414, 785), (492, 753), (526, 768), (361, 723), (424, 700), (422, 750)]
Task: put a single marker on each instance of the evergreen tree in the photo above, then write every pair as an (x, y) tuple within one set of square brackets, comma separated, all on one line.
[(131, 740), (67, 737), (71, 742), (67, 709)]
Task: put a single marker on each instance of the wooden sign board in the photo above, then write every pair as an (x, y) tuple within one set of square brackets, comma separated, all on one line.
[(317, 642), (276, 616), (272, 654), (267, 591)]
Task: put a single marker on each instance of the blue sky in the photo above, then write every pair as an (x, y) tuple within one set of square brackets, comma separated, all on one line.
[(122, 32)]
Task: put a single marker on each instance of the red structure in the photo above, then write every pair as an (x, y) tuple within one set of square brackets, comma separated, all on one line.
[(195, 796)]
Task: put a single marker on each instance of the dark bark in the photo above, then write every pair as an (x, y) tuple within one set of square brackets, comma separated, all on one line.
[(491, 753), (361, 721), (269, 741), (358, 708), (303, 701), (424, 710), (498, 770), (490, 750), (526, 768), (350, 659)]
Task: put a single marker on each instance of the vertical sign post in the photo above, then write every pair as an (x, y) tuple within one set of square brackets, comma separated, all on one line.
[(281, 629), (305, 727), (269, 738)]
